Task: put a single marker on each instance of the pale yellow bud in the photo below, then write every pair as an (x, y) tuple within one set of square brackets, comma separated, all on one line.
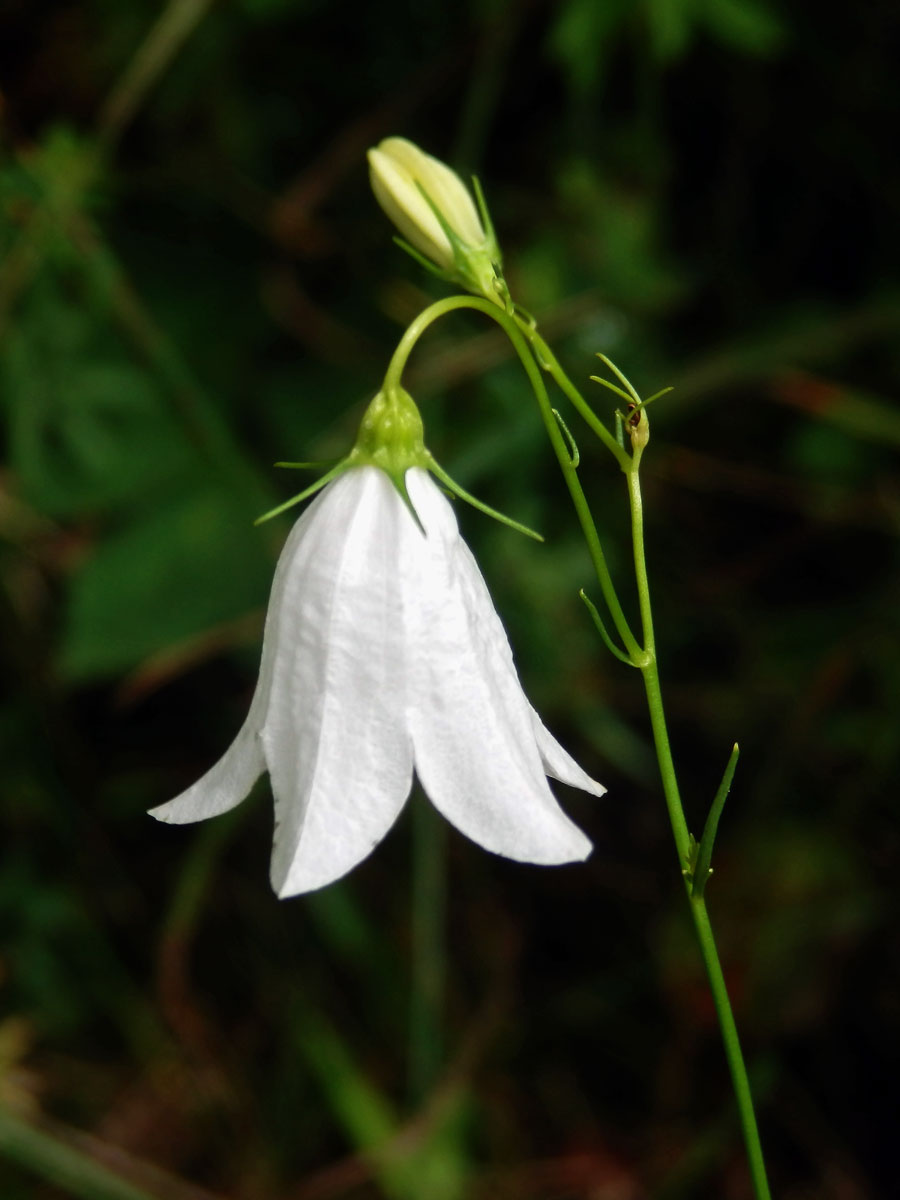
[(434, 211)]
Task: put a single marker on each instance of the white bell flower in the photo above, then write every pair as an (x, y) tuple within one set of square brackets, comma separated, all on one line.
[(434, 211), (383, 655)]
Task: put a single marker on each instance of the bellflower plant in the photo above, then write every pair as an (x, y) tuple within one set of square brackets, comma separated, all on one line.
[(393, 171), (383, 654)]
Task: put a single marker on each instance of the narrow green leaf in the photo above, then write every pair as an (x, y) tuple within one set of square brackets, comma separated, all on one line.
[(304, 495), (602, 630), (704, 852), (574, 456), (68, 1167), (454, 487)]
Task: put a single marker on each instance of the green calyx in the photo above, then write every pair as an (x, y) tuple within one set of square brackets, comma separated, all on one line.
[(479, 272), (391, 436), (479, 268)]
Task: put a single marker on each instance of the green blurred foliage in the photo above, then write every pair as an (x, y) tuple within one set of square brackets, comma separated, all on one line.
[(194, 284)]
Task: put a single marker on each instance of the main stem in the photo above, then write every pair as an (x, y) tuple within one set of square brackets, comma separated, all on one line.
[(535, 354), (646, 661), (697, 904)]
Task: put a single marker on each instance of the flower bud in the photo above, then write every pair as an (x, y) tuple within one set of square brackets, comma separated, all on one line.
[(638, 427), (435, 213)]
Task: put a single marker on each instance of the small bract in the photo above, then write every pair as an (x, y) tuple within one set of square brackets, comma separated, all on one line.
[(383, 655)]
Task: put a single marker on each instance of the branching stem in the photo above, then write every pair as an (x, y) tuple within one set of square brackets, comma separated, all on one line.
[(537, 357)]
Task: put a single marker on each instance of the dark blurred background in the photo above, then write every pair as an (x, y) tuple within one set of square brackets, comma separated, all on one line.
[(195, 282)]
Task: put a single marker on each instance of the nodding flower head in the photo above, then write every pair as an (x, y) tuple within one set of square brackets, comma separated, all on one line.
[(382, 656)]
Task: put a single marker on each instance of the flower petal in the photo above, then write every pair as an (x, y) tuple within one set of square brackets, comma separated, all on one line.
[(476, 752), (223, 786), (443, 185), (227, 783), (335, 738), (558, 763)]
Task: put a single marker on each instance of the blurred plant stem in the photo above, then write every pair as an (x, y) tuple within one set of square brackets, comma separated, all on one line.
[(70, 1160), (68, 1168), (196, 411), (420, 1158), (429, 938), (173, 27), (62, 217), (536, 355)]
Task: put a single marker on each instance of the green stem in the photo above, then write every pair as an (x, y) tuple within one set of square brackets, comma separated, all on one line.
[(733, 1053), (513, 331), (416, 328), (172, 29), (533, 350), (551, 364), (680, 831), (669, 779), (195, 410), (68, 1167), (429, 876)]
